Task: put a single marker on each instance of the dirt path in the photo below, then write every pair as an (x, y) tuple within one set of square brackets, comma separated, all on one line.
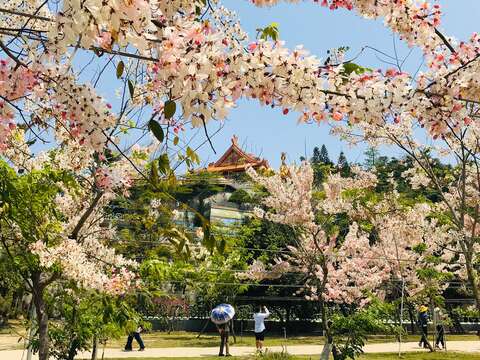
[(458, 346)]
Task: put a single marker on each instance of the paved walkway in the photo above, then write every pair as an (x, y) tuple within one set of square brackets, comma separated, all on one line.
[(460, 346)]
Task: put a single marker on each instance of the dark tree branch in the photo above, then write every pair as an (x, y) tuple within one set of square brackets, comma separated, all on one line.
[(86, 214), (445, 41)]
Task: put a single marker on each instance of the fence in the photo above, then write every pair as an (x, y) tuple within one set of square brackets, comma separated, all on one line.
[(292, 328)]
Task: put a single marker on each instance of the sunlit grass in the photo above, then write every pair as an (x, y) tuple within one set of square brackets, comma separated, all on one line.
[(383, 356), (188, 339)]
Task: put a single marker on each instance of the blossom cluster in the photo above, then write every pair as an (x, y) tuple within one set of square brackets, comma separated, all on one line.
[(291, 198), (349, 268), (15, 82), (82, 255), (206, 68), (90, 264), (415, 21), (205, 65)]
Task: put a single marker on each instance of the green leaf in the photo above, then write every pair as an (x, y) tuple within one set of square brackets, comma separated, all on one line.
[(270, 31), (156, 129), (221, 246), (350, 67), (164, 164), (131, 88), (120, 69), (208, 238), (175, 140), (169, 109), (154, 173), (192, 155)]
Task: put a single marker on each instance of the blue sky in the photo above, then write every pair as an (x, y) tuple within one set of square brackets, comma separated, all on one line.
[(267, 131)]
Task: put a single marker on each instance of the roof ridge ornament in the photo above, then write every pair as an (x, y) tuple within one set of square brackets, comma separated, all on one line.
[(284, 170)]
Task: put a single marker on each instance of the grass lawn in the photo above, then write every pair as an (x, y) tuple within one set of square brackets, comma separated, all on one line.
[(422, 356), (9, 337), (389, 356), (186, 339)]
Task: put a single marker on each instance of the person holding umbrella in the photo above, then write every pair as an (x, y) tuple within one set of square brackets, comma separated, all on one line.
[(221, 316)]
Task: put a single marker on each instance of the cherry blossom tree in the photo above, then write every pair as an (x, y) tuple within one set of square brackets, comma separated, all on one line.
[(387, 242), (385, 108), (53, 229), (193, 56)]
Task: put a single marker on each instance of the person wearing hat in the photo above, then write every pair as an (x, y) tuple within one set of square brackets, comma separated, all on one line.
[(423, 323)]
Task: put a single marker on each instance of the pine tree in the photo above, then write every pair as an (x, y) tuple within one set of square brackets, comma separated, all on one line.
[(343, 165), (324, 155), (371, 157), (316, 156)]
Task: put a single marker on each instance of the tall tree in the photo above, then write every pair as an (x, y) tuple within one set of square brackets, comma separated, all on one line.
[(315, 156), (371, 157), (345, 269), (324, 158), (343, 165)]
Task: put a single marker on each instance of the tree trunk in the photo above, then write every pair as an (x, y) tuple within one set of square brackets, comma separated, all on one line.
[(327, 348), (473, 281), (287, 316), (72, 351), (94, 348), (42, 317), (412, 318)]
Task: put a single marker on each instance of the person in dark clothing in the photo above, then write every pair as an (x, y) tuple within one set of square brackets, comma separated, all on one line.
[(138, 338), (439, 319), (224, 331), (423, 323)]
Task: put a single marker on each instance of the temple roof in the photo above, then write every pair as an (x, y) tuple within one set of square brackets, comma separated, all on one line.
[(236, 160)]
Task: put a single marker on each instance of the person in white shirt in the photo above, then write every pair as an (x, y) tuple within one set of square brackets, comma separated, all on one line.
[(259, 318), (136, 335)]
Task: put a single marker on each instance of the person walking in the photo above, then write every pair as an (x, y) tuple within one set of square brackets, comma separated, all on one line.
[(259, 318), (438, 319), (423, 323), (224, 331), (138, 338)]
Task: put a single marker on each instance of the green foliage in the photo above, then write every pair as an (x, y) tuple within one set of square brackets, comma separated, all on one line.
[(87, 317), (131, 88), (350, 332), (190, 158), (269, 32), (343, 165), (26, 203), (320, 156), (321, 164), (273, 355), (169, 109), (198, 8), (351, 67), (12, 286), (240, 197), (156, 129), (371, 157), (120, 69)]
